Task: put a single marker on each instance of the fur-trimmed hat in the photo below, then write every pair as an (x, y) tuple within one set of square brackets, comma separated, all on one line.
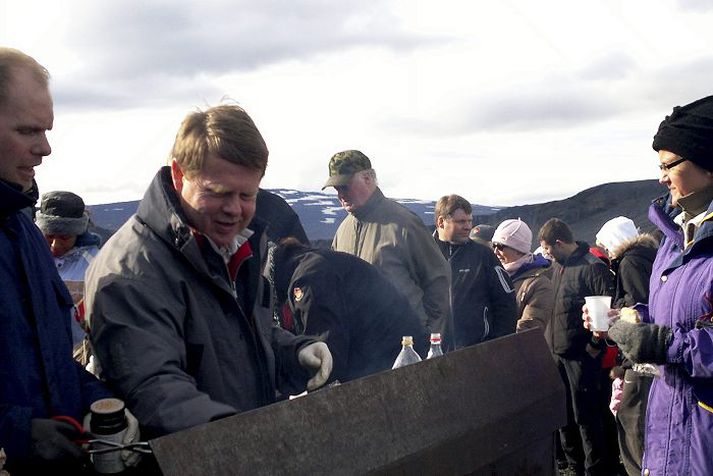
[(62, 213)]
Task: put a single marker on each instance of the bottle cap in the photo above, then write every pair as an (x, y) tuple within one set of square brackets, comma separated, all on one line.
[(436, 337), (407, 340)]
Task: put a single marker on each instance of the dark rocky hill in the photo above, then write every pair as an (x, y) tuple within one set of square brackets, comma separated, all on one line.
[(588, 210)]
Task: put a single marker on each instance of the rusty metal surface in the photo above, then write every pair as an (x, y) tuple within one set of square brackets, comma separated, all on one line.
[(476, 410)]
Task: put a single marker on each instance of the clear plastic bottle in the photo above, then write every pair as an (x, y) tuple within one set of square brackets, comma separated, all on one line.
[(407, 355), (435, 349)]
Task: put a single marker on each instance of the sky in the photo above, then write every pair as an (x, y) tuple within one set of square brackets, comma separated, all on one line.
[(505, 103)]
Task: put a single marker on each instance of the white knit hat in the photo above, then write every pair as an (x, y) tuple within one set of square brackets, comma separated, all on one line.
[(616, 231), (514, 234)]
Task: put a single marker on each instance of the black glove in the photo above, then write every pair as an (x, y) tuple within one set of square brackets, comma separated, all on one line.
[(640, 342), (52, 441)]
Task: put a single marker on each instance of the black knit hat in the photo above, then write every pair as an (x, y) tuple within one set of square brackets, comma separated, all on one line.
[(62, 213), (688, 132)]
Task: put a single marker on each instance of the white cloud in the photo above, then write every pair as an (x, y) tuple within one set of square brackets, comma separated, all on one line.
[(503, 102)]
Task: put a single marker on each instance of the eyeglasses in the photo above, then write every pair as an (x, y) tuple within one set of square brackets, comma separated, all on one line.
[(499, 246), (670, 165)]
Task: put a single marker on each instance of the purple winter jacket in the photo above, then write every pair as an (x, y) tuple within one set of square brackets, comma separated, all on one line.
[(679, 419)]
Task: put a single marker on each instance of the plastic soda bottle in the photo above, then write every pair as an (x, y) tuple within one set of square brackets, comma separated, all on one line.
[(435, 349), (407, 355)]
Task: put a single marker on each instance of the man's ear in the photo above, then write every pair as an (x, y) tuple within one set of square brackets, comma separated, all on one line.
[(439, 222), (176, 176)]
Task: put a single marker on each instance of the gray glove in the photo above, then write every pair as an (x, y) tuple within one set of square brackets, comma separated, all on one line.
[(642, 342), (51, 441), (316, 357)]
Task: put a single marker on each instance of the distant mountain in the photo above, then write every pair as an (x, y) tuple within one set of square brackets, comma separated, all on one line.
[(588, 210), (320, 213), (585, 212)]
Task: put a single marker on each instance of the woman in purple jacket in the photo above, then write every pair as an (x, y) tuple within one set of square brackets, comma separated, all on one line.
[(677, 332)]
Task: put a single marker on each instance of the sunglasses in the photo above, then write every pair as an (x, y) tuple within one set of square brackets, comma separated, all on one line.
[(499, 246)]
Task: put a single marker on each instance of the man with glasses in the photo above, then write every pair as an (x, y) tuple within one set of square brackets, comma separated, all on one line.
[(482, 295), (180, 314)]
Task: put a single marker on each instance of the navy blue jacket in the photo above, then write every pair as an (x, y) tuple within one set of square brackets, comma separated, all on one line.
[(38, 377), (350, 305)]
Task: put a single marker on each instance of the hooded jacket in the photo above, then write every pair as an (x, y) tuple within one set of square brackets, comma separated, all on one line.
[(482, 295), (39, 378), (533, 294), (392, 238), (679, 417), (182, 337), (346, 301), (582, 274), (632, 266)]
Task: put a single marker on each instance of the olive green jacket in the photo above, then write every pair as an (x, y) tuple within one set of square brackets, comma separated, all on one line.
[(395, 240)]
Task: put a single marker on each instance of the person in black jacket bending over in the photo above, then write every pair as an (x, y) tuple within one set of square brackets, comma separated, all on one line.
[(346, 302), (482, 294)]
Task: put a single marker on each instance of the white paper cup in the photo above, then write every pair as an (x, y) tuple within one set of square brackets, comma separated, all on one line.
[(598, 307)]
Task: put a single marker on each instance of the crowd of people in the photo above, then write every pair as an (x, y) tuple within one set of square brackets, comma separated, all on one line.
[(210, 301)]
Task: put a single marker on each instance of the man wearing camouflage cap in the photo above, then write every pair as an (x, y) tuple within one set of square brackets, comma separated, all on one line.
[(391, 237)]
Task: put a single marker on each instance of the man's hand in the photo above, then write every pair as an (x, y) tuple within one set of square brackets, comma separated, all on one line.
[(642, 342), (317, 357), (51, 441)]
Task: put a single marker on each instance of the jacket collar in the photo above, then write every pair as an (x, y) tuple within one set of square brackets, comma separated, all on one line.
[(539, 264), (581, 250), (161, 210), (447, 248), (12, 200), (373, 203), (663, 215)]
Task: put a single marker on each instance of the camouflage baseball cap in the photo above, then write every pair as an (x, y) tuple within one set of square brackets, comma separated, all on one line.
[(343, 165)]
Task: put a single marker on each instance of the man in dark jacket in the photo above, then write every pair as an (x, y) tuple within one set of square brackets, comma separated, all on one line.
[(40, 379), (349, 304), (577, 273), (482, 295), (179, 312)]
